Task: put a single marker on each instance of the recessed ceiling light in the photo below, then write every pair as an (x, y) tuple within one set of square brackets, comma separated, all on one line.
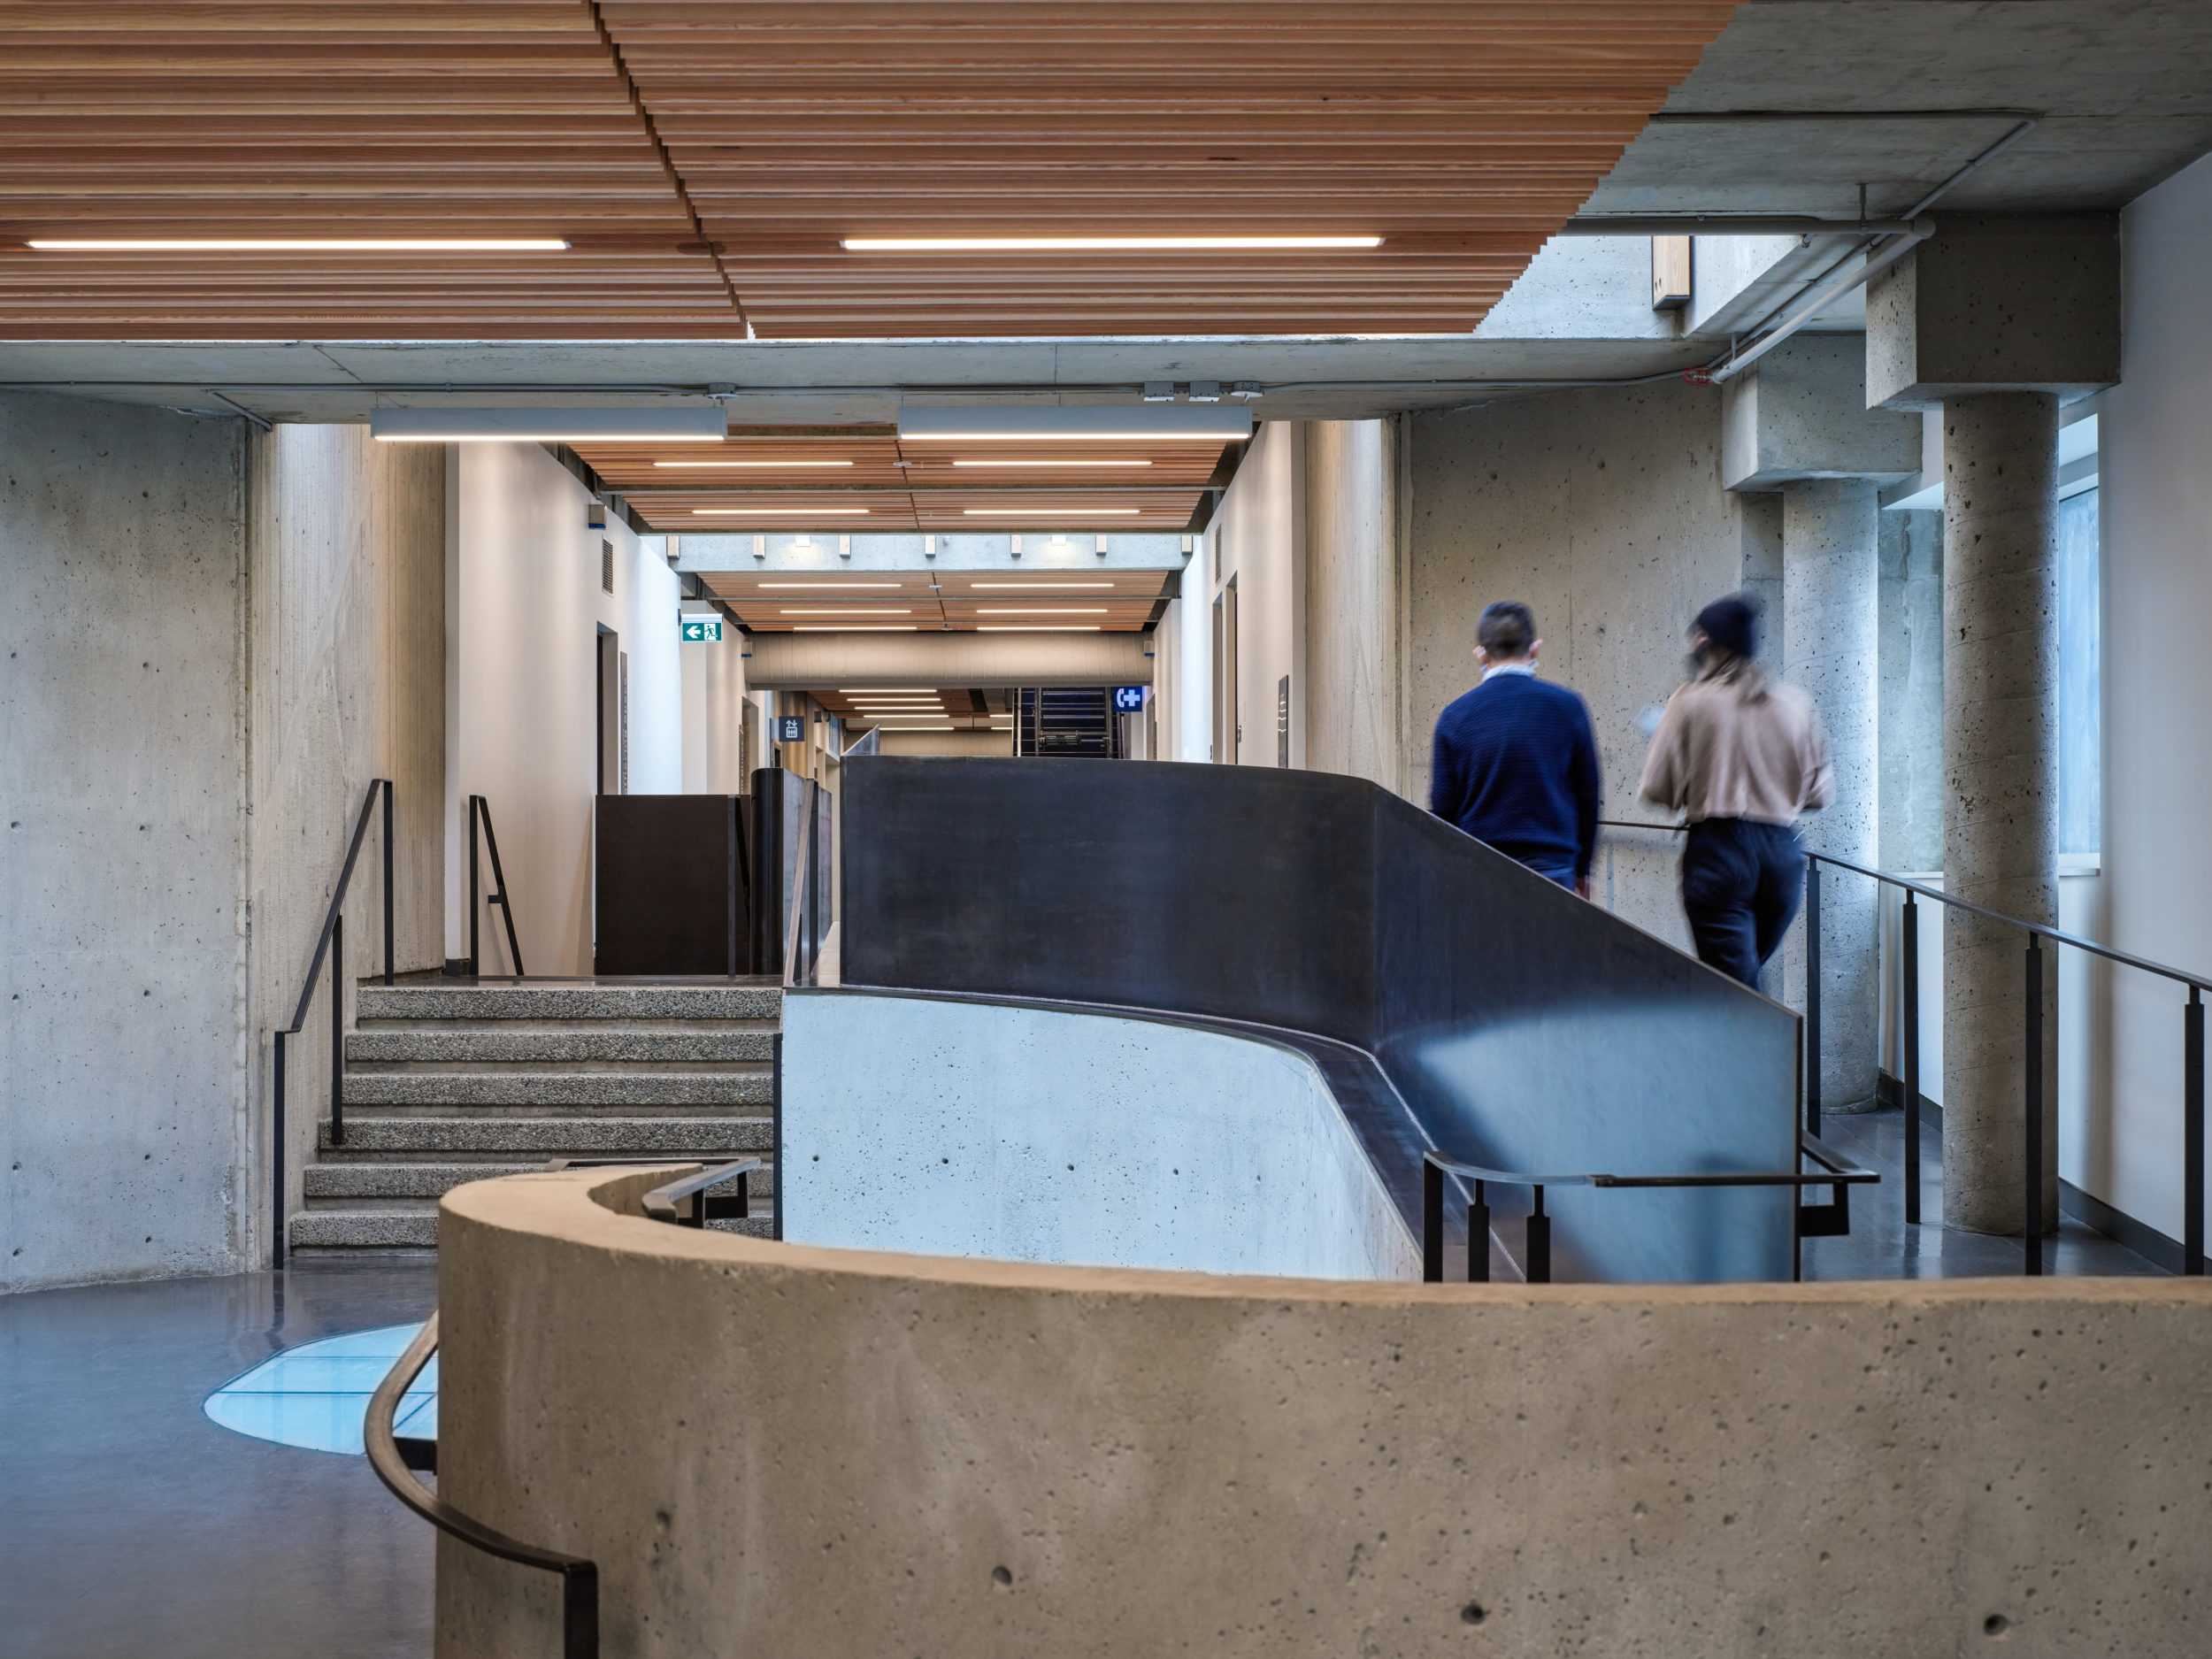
[(832, 627), (780, 512), (995, 465), (1031, 512), (873, 610), (1082, 244), (853, 691), (777, 464), (915, 728), (1036, 588), (1044, 610), (302, 244), (1069, 423), (838, 586), (1040, 628)]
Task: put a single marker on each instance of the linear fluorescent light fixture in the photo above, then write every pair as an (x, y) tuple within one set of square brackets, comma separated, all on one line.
[(994, 465), (1041, 610), (838, 627), (1092, 244), (887, 611), (829, 587), (1138, 423), (780, 512), (705, 425), (1038, 588), (778, 464), (303, 245), (1030, 628)]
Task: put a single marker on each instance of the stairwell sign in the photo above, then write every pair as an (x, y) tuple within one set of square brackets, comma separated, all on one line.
[(702, 630)]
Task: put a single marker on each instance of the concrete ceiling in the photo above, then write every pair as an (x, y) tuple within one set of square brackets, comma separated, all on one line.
[(2122, 86)]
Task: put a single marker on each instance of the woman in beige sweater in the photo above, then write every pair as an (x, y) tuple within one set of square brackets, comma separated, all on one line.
[(1742, 757)]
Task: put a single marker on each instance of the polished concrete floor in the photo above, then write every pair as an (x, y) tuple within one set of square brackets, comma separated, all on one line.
[(132, 1527), (1881, 1246)]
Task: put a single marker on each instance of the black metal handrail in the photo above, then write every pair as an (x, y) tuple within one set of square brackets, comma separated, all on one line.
[(330, 944), (481, 812), (2192, 1134), (1836, 1171), (684, 1202), (580, 1577), (2032, 1050)]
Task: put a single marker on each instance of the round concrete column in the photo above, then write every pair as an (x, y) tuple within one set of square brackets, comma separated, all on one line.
[(1830, 646), (2000, 793)]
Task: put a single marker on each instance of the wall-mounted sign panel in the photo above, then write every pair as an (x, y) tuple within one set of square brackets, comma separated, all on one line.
[(702, 630), (791, 728), (1128, 699)]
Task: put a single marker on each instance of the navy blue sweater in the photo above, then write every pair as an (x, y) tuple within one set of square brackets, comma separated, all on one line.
[(1517, 766)]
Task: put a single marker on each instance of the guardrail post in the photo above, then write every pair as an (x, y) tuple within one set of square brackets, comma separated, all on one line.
[(579, 1611), (1911, 970), (2031, 1221), (387, 882), (1431, 1223), (476, 903), (1812, 993), (2192, 1134), (1538, 1243), (1479, 1237), (338, 1031), (276, 1157)]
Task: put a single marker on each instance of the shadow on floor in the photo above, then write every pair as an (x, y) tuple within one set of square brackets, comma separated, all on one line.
[(131, 1525)]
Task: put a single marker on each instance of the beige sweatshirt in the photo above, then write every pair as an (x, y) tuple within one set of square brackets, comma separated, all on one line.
[(1736, 743)]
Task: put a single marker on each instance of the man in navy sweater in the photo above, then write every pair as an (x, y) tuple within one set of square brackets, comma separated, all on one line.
[(1515, 760)]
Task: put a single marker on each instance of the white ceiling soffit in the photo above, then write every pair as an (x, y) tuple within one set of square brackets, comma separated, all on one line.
[(702, 423), (1033, 423)]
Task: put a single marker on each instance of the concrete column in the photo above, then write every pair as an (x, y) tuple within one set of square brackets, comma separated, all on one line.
[(1831, 632), (2000, 805)]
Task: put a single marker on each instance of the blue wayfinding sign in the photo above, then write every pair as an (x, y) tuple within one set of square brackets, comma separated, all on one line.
[(1128, 699)]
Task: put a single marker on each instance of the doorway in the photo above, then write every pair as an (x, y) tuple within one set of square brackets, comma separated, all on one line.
[(614, 715)]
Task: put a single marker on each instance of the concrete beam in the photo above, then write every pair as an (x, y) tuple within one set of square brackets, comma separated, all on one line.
[(1997, 304), (1802, 412), (799, 662)]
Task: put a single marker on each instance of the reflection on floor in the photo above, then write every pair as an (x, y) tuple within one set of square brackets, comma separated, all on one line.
[(131, 1526), (315, 1395), (1881, 1246)]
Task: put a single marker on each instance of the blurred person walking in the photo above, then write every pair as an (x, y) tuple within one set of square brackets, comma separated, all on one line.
[(1515, 760), (1741, 755)]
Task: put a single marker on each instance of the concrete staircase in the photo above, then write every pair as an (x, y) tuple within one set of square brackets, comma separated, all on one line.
[(447, 1083)]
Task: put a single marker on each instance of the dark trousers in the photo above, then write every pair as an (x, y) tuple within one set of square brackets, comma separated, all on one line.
[(1741, 882)]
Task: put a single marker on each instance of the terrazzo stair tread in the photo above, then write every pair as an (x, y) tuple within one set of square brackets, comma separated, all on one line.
[(764, 1028), (553, 1090), (664, 1063), (364, 1230), (364, 1181), (551, 1137), (507, 1111), (571, 1046), (763, 1001)]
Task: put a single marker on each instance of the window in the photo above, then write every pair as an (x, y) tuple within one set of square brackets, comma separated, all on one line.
[(2080, 699)]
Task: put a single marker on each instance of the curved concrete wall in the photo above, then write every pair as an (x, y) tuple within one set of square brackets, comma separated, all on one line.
[(777, 1449), (1037, 1135)]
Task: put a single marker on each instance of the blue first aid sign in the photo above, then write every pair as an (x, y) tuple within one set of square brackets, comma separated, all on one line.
[(1128, 699), (702, 630)]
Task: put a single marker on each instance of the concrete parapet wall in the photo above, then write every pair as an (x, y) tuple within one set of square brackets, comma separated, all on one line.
[(771, 1448)]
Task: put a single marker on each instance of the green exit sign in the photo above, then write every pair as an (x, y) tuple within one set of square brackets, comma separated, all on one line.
[(702, 630)]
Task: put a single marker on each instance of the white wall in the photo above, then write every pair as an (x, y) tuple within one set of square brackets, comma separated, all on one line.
[(715, 761), (524, 605), (965, 1129), (2156, 471), (1260, 532)]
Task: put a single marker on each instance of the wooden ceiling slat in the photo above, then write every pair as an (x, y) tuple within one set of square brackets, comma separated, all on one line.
[(1463, 131)]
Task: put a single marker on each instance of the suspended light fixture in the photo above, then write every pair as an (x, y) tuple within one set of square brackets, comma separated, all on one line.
[(1031, 423)]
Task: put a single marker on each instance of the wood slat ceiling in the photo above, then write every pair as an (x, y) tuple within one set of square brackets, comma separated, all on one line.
[(1113, 600), (1464, 131), (863, 478)]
